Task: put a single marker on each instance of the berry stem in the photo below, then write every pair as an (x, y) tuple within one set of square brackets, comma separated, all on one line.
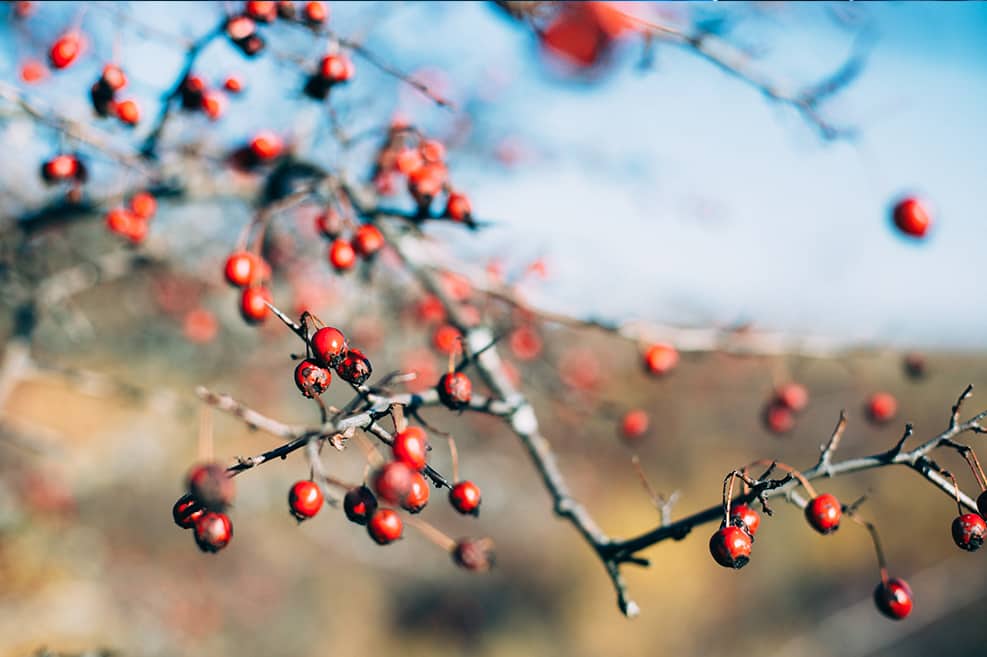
[(454, 455), (790, 470), (956, 490), (875, 538), (205, 433), (432, 534)]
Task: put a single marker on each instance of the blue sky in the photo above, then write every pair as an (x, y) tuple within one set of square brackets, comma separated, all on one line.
[(680, 194)]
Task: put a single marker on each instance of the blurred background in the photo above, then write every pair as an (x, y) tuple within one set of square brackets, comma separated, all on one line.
[(645, 183)]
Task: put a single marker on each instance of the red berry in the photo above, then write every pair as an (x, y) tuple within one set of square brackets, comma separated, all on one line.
[(433, 150), (240, 269), (233, 84), (266, 145), (794, 396), (912, 217), (359, 504), (211, 486), (525, 343), (893, 598), (33, 71), (261, 10), (778, 418), (113, 77), (881, 407), (213, 531), (823, 512), (60, 167), (329, 223), (124, 222), (385, 526), (730, 547), (411, 447), (417, 496), (143, 205), (393, 481), (355, 368), (341, 255), (127, 111), (329, 345), (465, 498), (458, 207), (213, 104), (367, 240), (336, 68), (186, 511), (446, 338), (65, 50), (426, 182), (253, 304), (408, 160), (968, 531), (744, 514), (316, 12), (455, 390), (305, 499), (661, 358), (634, 424), (311, 378)]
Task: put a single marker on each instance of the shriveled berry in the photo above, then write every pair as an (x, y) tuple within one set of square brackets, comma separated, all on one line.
[(474, 554), (465, 497), (305, 499), (329, 345), (393, 481), (968, 531), (411, 447), (359, 504), (455, 390), (355, 368), (824, 512), (213, 531), (311, 378), (211, 486), (730, 547), (893, 598), (385, 526), (186, 511)]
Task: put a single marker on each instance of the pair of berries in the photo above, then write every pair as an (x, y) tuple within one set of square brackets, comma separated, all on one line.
[(210, 492), (383, 525), (788, 400), (366, 240), (196, 96), (103, 96), (731, 544), (133, 220), (334, 69), (314, 12), (63, 168), (242, 31), (248, 271)]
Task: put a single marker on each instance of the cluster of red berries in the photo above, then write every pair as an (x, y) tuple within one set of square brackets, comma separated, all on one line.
[(249, 271), (132, 221), (785, 403), (242, 28), (63, 168), (334, 69), (422, 162), (103, 96), (365, 241), (196, 96), (329, 350), (210, 491)]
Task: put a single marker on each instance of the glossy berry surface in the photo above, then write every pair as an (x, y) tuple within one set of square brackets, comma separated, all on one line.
[(311, 378), (881, 407), (746, 515), (253, 304), (65, 50), (355, 368), (385, 526), (730, 547), (367, 240), (240, 268), (458, 207), (316, 12), (894, 598), (465, 497), (968, 531), (393, 481), (128, 112), (661, 359), (455, 390), (329, 345), (417, 496), (634, 424), (60, 167), (342, 256), (186, 511), (336, 68), (305, 499), (359, 504), (213, 531), (266, 146), (411, 447), (211, 486), (824, 512), (911, 217)]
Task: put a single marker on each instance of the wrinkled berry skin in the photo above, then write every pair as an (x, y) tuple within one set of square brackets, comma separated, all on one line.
[(359, 504), (823, 513), (355, 368), (968, 531), (894, 598), (455, 390), (730, 547), (311, 378)]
